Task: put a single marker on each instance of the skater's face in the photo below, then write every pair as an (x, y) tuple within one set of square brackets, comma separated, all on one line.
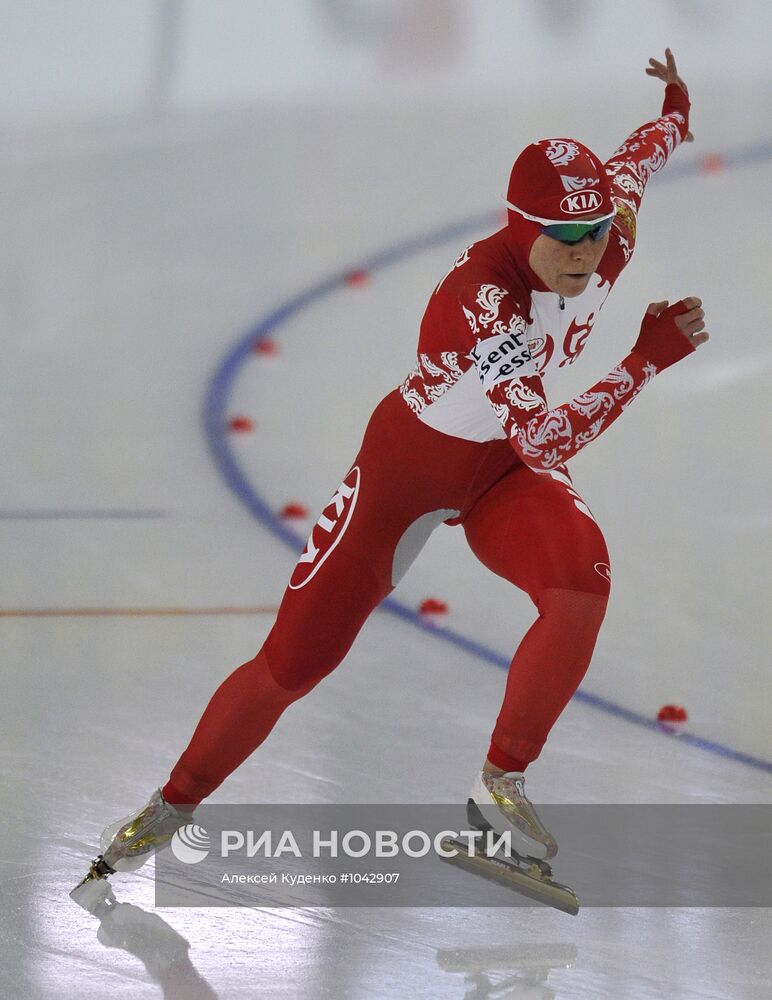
[(564, 268)]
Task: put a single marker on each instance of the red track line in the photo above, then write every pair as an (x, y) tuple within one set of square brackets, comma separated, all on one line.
[(128, 612)]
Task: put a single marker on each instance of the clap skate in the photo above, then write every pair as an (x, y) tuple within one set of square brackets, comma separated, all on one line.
[(496, 805), (129, 842)]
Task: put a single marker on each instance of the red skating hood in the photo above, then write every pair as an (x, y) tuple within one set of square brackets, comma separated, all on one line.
[(553, 180)]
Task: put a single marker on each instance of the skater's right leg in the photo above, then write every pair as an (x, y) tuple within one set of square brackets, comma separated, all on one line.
[(313, 632)]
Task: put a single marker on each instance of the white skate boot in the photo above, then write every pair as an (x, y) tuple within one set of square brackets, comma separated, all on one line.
[(129, 842), (499, 802)]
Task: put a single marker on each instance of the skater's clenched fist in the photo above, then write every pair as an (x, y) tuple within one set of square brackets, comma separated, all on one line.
[(691, 321), (669, 333)]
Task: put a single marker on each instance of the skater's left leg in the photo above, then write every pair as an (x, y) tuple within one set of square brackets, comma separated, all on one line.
[(548, 667), (535, 531)]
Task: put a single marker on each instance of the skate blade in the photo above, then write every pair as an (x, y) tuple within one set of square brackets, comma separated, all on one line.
[(531, 882), (98, 871)]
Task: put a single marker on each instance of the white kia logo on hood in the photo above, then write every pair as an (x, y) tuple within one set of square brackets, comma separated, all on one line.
[(580, 202)]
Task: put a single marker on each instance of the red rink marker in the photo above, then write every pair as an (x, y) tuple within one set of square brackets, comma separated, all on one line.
[(266, 348), (714, 164), (240, 425), (433, 611), (294, 512), (671, 714), (358, 278)]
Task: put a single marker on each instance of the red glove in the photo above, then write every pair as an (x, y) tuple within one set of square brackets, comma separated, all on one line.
[(660, 341)]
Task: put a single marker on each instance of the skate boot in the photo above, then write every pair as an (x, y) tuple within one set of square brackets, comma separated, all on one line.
[(129, 842), (499, 802)]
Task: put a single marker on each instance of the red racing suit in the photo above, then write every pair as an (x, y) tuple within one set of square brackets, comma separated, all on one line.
[(469, 438)]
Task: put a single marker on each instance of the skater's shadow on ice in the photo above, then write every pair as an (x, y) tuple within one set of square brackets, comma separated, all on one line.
[(508, 972), (162, 950)]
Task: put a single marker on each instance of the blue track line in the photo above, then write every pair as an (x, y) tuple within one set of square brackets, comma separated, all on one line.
[(215, 428)]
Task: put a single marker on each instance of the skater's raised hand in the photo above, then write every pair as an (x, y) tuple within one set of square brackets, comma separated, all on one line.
[(669, 333), (668, 73)]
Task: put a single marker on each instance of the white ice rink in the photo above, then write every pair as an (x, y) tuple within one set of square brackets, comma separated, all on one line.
[(144, 238)]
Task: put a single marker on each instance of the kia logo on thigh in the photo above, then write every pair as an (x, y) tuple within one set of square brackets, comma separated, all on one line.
[(328, 530)]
